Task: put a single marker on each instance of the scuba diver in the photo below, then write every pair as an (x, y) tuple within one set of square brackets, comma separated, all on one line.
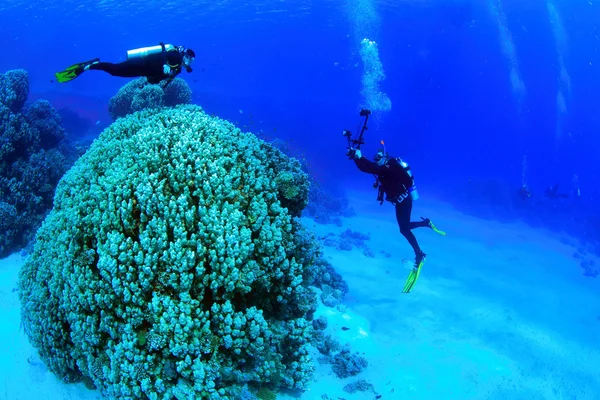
[(524, 192), (552, 193), (156, 63), (396, 182)]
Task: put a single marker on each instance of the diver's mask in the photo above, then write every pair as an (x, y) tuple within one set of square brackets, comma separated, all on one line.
[(188, 58), (187, 62), (380, 158)]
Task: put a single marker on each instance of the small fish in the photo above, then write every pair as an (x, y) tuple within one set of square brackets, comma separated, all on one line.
[(345, 328), (33, 360)]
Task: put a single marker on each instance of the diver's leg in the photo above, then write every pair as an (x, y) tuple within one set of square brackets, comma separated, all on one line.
[(125, 69), (426, 222), (420, 224), (403, 211)]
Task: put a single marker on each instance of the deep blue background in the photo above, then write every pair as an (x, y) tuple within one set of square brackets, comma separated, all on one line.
[(293, 69)]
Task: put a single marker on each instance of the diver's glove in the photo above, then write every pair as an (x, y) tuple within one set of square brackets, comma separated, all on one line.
[(353, 153), (166, 69)]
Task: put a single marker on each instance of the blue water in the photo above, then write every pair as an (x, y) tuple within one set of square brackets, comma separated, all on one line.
[(474, 88), (447, 76)]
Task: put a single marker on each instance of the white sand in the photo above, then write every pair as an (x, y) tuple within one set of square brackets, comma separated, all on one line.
[(22, 375), (501, 311)]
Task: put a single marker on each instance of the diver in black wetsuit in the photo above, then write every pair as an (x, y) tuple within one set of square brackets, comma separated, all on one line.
[(397, 183), (156, 63)]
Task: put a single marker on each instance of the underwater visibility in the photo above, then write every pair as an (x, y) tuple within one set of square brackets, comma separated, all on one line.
[(334, 200)]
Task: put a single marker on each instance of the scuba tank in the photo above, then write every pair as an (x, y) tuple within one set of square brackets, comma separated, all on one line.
[(413, 189), (413, 193), (145, 52)]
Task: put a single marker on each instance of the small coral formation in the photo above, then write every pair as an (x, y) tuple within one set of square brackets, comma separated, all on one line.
[(587, 263), (326, 345), (75, 125), (14, 89), (385, 253), (590, 269), (343, 362), (172, 267), (320, 323), (348, 240), (327, 206), (346, 364), (354, 239), (33, 157), (266, 394), (332, 285), (139, 95), (359, 386), (331, 297)]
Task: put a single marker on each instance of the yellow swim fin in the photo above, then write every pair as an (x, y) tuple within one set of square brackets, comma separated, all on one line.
[(65, 76), (432, 226), (73, 71), (412, 277)]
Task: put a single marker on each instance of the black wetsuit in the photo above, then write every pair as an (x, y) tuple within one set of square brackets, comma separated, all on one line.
[(151, 66), (395, 182)]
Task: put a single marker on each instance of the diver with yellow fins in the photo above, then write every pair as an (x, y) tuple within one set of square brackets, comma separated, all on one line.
[(156, 63), (395, 181)]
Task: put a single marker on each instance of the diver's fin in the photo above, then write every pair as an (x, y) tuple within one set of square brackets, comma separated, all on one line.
[(65, 76), (73, 71), (413, 276), (432, 226), (410, 281)]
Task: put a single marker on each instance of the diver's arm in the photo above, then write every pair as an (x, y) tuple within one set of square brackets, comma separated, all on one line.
[(167, 82), (370, 167)]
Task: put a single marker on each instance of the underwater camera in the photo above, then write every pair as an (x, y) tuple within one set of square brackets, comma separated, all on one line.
[(346, 133), (364, 112)]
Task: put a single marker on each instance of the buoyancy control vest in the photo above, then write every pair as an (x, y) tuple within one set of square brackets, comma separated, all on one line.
[(411, 190)]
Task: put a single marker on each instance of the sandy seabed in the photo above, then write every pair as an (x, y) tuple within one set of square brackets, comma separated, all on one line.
[(501, 311)]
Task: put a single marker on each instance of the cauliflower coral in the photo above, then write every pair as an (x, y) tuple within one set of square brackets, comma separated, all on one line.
[(138, 95), (172, 266)]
